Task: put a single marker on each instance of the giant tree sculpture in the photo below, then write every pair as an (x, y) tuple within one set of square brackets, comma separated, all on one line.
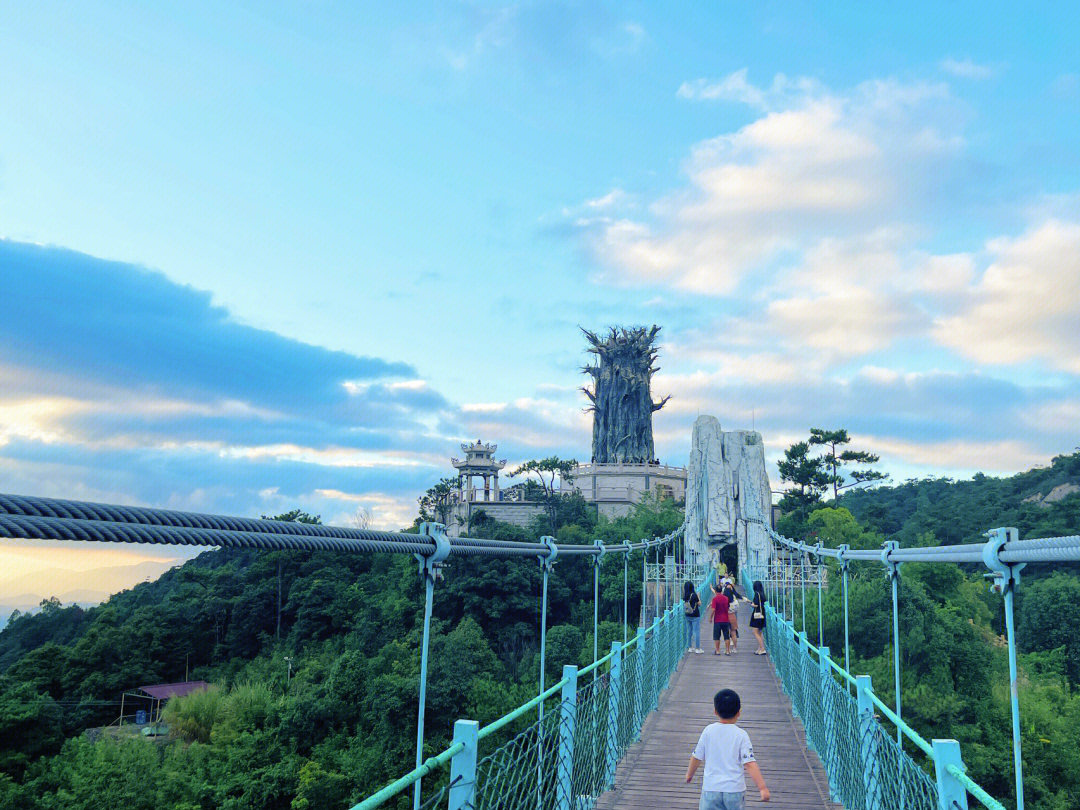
[(622, 404)]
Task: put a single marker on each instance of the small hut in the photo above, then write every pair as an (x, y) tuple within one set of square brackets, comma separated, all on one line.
[(157, 694)]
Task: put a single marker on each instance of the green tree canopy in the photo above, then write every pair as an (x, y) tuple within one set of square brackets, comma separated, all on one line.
[(835, 459), (548, 471)]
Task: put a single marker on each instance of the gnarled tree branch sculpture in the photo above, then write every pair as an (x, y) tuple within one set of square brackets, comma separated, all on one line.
[(620, 398)]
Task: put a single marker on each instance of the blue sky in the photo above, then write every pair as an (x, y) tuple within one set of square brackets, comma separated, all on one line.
[(263, 256)]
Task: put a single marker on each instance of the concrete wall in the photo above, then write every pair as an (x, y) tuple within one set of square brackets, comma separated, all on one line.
[(626, 483), (519, 514)]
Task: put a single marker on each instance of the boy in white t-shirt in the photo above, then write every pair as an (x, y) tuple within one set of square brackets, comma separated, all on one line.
[(726, 752)]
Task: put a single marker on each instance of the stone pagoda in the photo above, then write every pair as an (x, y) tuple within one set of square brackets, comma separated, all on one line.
[(479, 462)]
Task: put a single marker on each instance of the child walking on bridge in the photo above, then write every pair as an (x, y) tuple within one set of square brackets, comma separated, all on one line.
[(725, 751)]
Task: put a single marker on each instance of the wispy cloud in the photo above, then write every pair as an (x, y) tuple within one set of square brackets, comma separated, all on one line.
[(736, 87), (967, 69)]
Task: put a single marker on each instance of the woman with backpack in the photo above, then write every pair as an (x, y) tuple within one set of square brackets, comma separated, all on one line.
[(733, 613), (757, 617), (692, 617)]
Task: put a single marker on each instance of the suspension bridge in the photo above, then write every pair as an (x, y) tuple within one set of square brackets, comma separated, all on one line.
[(617, 733)]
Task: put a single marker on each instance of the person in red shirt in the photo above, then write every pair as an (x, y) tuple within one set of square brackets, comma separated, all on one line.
[(721, 626)]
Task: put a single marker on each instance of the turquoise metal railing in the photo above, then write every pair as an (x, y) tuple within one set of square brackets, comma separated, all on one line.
[(868, 769), (567, 757)]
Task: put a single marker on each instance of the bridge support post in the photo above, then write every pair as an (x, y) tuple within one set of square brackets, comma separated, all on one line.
[(952, 795), (429, 572), (615, 698), (893, 571), (1006, 580), (564, 778), (463, 766), (828, 756), (546, 563), (868, 742)]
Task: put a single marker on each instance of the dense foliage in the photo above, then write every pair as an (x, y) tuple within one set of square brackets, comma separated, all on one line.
[(344, 723)]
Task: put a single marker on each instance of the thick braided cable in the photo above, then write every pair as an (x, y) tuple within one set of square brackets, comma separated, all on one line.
[(55, 528), (1040, 549), (27, 517), (81, 510)]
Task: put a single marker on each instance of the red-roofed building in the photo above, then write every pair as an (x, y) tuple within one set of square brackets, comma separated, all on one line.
[(158, 694)]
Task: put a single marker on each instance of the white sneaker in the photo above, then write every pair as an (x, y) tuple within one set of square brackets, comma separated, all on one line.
[(699, 651)]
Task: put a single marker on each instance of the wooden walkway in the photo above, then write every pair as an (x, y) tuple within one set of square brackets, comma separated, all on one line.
[(652, 774)]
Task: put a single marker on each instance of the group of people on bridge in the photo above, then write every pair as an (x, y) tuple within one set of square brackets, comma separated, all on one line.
[(724, 750), (722, 615)]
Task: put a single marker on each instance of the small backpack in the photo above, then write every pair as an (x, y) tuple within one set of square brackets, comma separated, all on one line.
[(688, 606)]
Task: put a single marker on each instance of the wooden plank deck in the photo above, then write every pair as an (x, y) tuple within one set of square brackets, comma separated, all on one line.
[(652, 773)]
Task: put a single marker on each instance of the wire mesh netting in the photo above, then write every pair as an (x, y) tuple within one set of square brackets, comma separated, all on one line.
[(894, 779), (867, 768), (516, 774), (569, 758), (630, 700)]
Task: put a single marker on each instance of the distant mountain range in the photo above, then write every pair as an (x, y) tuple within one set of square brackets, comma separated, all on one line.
[(86, 588)]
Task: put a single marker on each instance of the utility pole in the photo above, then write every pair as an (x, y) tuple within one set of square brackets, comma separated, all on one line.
[(288, 662)]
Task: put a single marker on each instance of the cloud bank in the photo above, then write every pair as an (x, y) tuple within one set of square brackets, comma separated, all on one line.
[(119, 384)]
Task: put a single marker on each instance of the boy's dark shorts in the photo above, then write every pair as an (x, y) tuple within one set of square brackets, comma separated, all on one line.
[(719, 628)]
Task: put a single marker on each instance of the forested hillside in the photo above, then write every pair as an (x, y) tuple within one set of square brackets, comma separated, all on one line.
[(1041, 502), (954, 660), (345, 722)]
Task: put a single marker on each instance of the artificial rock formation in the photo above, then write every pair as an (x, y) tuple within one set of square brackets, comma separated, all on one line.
[(728, 498), (622, 403)]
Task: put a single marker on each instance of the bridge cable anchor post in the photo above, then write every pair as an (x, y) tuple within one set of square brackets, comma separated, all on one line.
[(868, 742), (568, 721), (463, 765), (1006, 577), (952, 794), (429, 572), (820, 607), (547, 562), (828, 687)]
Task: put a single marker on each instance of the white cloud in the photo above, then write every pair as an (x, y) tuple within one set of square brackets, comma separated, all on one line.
[(386, 512), (819, 165), (966, 69), (1004, 456), (1026, 304), (528, 423)]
